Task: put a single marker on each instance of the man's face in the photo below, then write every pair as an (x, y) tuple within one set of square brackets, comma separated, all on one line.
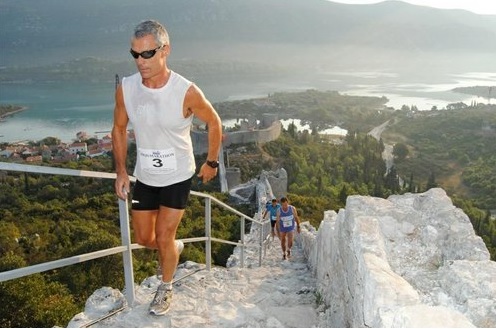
[(150, 67)]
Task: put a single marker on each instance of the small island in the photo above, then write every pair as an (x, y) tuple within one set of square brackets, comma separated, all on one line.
[(7, 110), (480, 91)]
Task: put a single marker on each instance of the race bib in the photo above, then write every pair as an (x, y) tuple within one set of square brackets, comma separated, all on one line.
[(158, 161), (287, 221), (273, 218)]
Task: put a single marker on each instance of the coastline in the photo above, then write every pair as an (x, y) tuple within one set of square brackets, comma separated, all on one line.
[(7, 114)]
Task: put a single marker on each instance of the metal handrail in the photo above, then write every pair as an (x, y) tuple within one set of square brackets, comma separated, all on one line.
[(127, 247)]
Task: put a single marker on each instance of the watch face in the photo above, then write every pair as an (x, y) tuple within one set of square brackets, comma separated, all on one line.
[(213, 164)]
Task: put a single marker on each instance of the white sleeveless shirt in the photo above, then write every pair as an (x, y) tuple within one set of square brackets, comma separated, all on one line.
[(163, 140)]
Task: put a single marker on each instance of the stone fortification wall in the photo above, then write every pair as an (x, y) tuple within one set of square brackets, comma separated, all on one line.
[(233, 176), (270, 184), (278, 181), (409, 261), (264, 135), (200, 141), (254, 136)]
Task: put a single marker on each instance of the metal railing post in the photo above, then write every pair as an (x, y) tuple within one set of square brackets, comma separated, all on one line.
[(262, 226), (127, 255), (242, 242), (208, 233)]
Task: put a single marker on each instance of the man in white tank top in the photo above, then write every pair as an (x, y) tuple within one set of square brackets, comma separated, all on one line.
[(160, 105)]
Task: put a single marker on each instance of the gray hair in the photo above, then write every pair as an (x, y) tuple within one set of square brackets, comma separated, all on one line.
[(152, 27)]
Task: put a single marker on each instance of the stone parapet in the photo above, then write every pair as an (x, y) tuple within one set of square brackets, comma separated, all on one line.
[(412, 260), (200, 138)]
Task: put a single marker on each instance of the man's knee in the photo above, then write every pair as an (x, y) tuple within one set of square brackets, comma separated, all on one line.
[(146, 241), (164, 239)]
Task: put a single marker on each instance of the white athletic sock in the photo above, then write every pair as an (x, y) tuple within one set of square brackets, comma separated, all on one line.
[(167, 285)]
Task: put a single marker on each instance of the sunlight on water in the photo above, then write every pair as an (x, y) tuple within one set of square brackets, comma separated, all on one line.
[(425, 95), (230, 123), (63, 128), (367, 74), (302, 126)]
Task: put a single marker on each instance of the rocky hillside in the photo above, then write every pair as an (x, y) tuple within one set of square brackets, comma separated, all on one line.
[(317, 31)]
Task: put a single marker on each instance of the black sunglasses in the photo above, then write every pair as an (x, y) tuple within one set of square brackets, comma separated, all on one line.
[(145, 54)]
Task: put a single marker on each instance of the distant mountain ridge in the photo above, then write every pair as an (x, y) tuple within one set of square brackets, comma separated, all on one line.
[(246, 30)]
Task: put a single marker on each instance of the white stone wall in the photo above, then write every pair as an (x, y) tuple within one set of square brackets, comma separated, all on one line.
[(409, 261), (200, 138)]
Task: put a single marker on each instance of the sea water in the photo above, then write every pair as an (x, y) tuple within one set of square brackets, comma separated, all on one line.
[(62, 109), (56, 109)]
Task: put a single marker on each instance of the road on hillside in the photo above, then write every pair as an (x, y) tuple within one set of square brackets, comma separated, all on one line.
[(387, 154), (376, 132)]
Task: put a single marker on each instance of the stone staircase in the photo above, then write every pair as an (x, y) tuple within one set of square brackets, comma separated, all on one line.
[(280, 293)]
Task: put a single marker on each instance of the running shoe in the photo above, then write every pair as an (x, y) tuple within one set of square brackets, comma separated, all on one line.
[(162, 300)]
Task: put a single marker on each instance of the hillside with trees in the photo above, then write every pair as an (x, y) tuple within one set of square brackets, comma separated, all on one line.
[(320, 109), (487, 92), (454, 149)]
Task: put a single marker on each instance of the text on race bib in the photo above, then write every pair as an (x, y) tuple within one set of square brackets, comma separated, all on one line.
[(287, 221), (158, 161)]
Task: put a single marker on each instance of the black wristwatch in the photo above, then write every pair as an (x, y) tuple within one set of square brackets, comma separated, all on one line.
[(213, 164)]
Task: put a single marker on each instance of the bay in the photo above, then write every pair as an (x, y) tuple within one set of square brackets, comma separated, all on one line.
[(63, 109), (56, 110)]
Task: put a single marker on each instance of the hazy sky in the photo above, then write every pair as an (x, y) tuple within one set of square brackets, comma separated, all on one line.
[(476, 6)]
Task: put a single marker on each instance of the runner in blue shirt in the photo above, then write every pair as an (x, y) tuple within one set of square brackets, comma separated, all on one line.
[(272, 208)]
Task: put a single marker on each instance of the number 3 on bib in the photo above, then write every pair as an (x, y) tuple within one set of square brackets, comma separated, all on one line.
[(158, 161)]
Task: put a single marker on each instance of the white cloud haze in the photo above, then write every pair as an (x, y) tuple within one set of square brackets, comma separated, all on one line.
[(476, 6)]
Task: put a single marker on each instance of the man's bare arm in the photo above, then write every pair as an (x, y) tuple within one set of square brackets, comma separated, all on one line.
[(119, 144), (197, 104)]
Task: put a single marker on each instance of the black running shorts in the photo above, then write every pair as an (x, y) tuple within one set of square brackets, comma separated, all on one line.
[(147, 197)]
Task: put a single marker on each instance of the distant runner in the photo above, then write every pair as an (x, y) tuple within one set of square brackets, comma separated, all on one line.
[(287, 220), (272, 208)]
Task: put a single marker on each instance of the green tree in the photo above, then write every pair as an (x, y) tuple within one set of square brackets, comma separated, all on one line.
[(400, 151), (9, 237), (431, 183), (50, 141), (32, 301)]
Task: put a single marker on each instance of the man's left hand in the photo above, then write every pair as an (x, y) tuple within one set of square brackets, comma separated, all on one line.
[(207, 173)]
